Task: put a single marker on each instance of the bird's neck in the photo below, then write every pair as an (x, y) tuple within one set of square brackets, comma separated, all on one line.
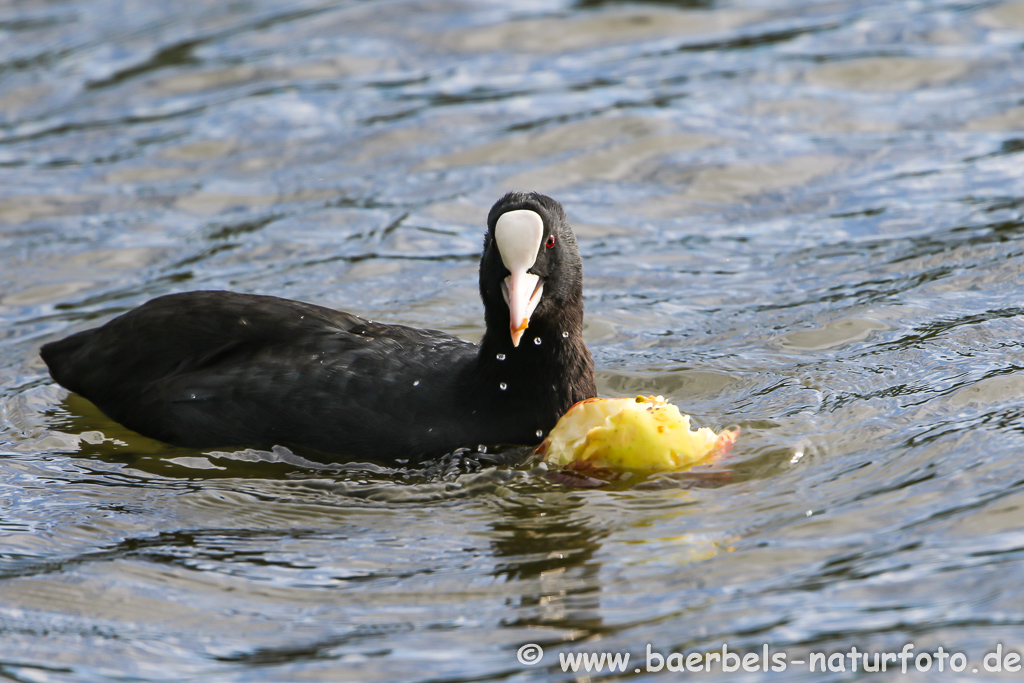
[(551, 366)]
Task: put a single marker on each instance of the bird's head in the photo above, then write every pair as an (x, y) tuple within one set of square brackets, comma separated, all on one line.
[(530, 263)]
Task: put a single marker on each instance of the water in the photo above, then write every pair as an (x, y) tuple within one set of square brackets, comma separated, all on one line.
[(803, 218)]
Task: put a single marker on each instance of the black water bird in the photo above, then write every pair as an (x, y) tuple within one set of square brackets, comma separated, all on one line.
[(220, 369)]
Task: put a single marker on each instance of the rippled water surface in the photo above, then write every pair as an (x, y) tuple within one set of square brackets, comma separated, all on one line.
[(805, 218)]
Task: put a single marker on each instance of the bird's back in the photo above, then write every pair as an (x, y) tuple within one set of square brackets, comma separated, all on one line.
[(210, 369)]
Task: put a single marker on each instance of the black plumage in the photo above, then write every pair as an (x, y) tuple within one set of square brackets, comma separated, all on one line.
[(221, 369)]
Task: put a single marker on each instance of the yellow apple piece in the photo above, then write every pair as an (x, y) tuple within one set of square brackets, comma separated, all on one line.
[(645, 434)]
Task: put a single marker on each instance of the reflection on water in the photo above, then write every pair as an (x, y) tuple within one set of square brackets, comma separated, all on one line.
[(549, 550), (801, 218)]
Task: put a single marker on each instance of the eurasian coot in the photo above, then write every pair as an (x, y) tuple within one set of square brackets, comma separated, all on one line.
[(217, 369)]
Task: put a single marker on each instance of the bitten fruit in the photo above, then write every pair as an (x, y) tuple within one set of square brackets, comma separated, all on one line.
[(643, 435)]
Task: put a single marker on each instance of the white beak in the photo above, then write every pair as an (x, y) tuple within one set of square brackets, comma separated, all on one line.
[(518, 235)]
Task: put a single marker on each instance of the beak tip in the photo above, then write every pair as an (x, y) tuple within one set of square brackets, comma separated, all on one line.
[(517, 332)]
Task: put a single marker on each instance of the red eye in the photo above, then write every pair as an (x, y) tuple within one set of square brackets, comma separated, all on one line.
[(551, 241)]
